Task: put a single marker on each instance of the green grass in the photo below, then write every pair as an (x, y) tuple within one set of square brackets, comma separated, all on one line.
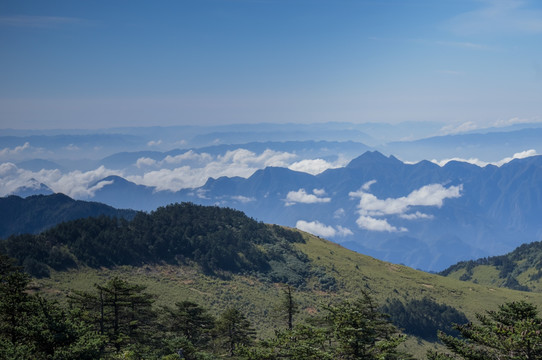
[(259, 299)]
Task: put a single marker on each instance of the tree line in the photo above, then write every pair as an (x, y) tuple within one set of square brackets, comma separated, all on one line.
[(217, 240), (118, 320)]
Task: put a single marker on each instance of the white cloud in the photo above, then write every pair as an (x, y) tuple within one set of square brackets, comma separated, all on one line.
[(455, 129), (370, 207), (514, 121), (98, 186), (243, 199), (154, 143), (311, 166), (373, 224), (72, 147), (145, 162), (16, 150), (416, 215), (319, 229), (519, 155), (339, 213), (343, 231), (76, 184), (249, 158), (480, 163), (301, 196), (8, 169), (367, 185), (190, 155), (319, 192), (317, 166), (199, 167)]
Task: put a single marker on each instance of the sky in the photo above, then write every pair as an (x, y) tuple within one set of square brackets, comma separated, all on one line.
[(94, 64)]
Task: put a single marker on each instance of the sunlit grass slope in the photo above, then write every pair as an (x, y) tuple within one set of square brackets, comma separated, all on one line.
[(259, 299)]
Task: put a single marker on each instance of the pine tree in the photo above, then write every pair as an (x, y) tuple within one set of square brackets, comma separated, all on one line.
[(120, 311), (289, 306), (32, 327), (235, 330), (191, 321), (362, 332), (514, 331)]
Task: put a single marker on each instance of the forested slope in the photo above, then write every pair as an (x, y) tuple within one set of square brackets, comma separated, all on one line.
[(520, 269), (216, 239), (36, 213)]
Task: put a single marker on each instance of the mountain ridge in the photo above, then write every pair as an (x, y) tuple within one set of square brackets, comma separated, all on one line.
[(485, 211), (36, 213)]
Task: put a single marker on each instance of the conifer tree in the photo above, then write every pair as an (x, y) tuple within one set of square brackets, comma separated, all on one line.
[(235, 330), (191, 321), (360, 331), (289, 306), (119, 310), (514, 331)]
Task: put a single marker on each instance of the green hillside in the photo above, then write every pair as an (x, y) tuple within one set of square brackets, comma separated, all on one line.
[(259, 299), (520, 269), (220, 258)]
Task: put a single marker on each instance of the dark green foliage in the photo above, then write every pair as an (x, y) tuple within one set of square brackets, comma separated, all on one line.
[(512, 283), (288, 307), (119, 311), (303, 342), (360, 331), (190, 321), (424, 318), (37, 213), (234, 331), (215, 238), (512, 332), (34, 328)]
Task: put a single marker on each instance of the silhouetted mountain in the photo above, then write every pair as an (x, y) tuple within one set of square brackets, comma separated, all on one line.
[(121, 193), (37, 213), (423, 215)]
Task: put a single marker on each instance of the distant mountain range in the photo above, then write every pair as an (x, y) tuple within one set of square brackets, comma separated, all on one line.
[(422, 215)]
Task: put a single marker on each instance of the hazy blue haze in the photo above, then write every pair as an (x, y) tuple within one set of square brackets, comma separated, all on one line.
[(72, 64)]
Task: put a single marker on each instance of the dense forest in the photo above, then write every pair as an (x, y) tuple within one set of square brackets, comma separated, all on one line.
[(216, 239)]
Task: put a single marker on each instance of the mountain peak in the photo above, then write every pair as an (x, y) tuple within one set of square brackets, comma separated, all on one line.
[(32, 187), (371, 158)]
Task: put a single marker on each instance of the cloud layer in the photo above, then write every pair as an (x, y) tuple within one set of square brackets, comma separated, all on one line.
[(478, 162), (371, 209), (319, 229), (188, 170), (76, 184), (301, 196)]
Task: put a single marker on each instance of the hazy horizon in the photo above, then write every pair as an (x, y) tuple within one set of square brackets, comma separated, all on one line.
[(467, 64)]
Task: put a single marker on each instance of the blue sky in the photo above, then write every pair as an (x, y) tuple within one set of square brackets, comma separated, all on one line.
[(92, 64)]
